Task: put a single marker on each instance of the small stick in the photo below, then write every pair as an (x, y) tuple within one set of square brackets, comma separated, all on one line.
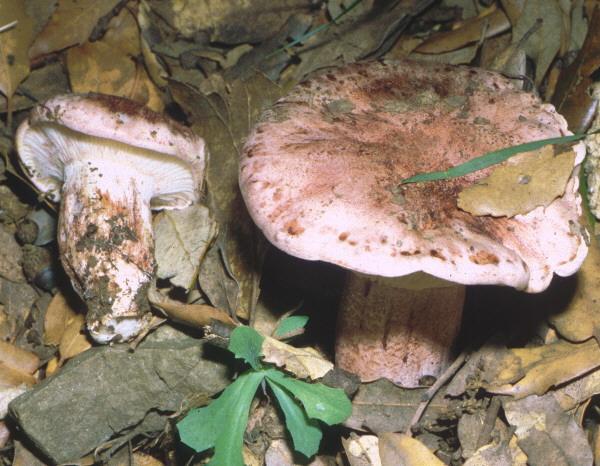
[(488, 424), (430, 393), (8, 26)]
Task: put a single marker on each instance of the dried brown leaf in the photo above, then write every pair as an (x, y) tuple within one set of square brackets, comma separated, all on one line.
[(524, 371), (14, 43), (18, 358), (109, 65), (182, 237), (71, 24), (395, 449), (302, 362), (581, 319), (528, 181), (13, 377), (74, 340), (56, 320)]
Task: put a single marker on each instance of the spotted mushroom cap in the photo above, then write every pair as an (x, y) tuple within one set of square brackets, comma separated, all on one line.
[(158, 143), (320, 174)]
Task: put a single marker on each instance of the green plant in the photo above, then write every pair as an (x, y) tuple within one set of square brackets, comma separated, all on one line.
[(222, 423)]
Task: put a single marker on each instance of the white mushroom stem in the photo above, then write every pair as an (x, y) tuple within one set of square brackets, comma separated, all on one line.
[(400, 328), (106, 243)]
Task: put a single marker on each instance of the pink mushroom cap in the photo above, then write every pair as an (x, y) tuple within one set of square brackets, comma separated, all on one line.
[(321, 172)]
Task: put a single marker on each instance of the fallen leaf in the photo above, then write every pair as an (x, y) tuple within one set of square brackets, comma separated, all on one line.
[(71, 24), (527, 181), (546, 433), (24, 457), (11, 377), (496, 455), (381, 406), (56, 320), (302, 362), (74, 340), (224, 118), (14, 43), (182, 238), (110, 65), (544, 45), (491, 23), (362, 450), (401, 449), (524, 371), (18, 358), (581, 319)]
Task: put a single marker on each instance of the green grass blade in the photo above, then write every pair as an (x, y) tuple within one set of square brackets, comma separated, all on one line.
[(491, 158)]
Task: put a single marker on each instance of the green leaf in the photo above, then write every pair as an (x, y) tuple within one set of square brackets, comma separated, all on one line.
[(246, 344), (330, 405), (290, 325), (221, 424), (305, 432), (491, 158)]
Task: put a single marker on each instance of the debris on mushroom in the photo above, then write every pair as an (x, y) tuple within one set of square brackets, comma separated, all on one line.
[(109, 161), (321, 172)]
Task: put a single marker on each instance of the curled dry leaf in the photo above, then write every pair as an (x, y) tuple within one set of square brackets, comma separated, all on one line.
[(71, 24), (524, 371), (362, 450), (109, 65), (181, 240), (14, 42), (529, 180), (302, 362), (395, 449), (546, 433)]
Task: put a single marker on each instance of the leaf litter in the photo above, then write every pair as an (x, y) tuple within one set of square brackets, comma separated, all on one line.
[(213, 69)]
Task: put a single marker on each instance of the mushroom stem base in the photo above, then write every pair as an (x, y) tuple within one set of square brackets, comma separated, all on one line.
[(400, 328)]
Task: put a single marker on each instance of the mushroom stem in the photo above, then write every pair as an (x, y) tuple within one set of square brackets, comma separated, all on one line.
[(400, 328), (106, 243)]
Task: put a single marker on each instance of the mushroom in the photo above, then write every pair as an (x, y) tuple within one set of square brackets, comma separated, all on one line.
[(109, 161), (321, 177)]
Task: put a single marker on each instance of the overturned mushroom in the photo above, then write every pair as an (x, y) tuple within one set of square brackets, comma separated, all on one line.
[(321, 174), (110, 161)]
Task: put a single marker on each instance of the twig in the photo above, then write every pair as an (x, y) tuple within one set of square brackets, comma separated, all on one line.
[(8, 26), (430, 393), (488, 423)]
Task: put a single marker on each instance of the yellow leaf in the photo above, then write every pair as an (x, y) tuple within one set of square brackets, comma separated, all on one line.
[(57, 316), (535, 370), (400, 449), (302, 362), (73, 341), (14, 43), (527, 181)]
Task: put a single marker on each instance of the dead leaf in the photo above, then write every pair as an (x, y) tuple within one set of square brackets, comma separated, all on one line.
[(14, 43), (581, 319), (302, 362), (381, 406), (524, 371), (58, 315), (224, 119), (71, 24), (24, 457), (544, 45), (11, 377), (18, 358), (400, 449), (527, 181), (110, 65), (362, 450), (491, 23), (74, 340), (546, 433), (182, 238), (197, 315)]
